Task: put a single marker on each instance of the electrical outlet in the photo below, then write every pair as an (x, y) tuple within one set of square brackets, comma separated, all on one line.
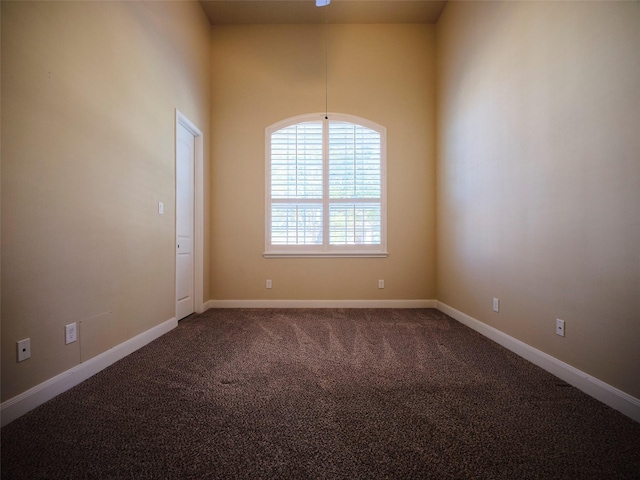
[(71, 333), (380, 283), (24, 349), (160, 208), (559, 327), (268, 283), (496, 305)]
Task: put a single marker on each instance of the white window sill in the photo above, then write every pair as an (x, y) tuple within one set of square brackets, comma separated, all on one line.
[(325, 254)]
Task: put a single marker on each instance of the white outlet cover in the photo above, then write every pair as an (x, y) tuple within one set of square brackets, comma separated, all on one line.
[(71, 333), (560, 327), (496, 305), (24, 349)]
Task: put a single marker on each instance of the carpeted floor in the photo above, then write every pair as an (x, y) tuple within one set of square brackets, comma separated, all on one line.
[(335, 393)]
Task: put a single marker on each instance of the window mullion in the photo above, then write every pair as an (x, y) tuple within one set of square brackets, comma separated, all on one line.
[(325, 184), (355, 163)]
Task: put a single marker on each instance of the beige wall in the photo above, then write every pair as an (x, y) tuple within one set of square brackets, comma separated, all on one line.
[(263, 74), (89, 91), (539, 176)]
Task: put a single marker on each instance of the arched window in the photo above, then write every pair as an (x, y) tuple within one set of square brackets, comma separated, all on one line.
[(325, 187)]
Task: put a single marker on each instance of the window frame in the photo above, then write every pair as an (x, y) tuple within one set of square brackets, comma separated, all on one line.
[(326, 249)]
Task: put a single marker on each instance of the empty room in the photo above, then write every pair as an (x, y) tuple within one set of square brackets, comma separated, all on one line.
[(320, 239)]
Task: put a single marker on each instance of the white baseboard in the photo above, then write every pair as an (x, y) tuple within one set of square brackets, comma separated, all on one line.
[(607, 394), (32, 398), (321, 304)]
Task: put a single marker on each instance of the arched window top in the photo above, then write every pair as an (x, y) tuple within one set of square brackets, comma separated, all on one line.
[(325, 186), (331, 117)]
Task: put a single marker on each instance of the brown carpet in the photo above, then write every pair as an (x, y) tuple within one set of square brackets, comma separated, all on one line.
[(335, 393)]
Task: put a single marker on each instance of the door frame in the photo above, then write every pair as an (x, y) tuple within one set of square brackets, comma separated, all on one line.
[(198, 213)]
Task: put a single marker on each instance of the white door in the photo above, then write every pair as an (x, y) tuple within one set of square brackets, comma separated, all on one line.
[(185, 161)]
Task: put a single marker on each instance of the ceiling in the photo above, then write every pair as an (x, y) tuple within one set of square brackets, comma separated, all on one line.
[(236, 12)]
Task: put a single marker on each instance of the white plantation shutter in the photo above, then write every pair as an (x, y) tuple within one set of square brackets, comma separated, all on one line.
[(354, 161), (354, 185), (325, 187), (296, 224), (296, 161), (296, 185), (354, 224)]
